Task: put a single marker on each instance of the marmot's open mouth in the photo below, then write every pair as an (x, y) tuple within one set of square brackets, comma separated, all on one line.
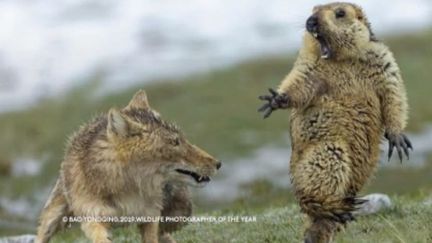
[(324, 46), (198, 178)]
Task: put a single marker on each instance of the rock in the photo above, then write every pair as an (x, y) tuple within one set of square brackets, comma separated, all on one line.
[(18, 239), (428, 202), (376, 203)]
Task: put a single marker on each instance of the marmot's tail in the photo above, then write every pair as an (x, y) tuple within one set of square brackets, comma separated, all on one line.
[(51, 217), (334, 210)]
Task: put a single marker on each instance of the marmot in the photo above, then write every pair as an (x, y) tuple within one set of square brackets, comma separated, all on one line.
[(122, 167), (345, 92)]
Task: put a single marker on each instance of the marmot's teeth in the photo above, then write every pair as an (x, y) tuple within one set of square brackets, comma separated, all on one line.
[(315, 35)]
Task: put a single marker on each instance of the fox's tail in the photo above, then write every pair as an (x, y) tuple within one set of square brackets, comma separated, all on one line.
[(51, 217)]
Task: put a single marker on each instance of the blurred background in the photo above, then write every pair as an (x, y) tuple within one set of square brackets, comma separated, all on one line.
[(203, 63)]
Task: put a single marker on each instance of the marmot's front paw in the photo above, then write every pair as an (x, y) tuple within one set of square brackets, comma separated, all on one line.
[(274, 101), (400, 141)]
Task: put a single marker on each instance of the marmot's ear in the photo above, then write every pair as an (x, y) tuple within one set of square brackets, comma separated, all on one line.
[(362, 17), (139, 101), (371, 33), (117, 124), (315, 8)]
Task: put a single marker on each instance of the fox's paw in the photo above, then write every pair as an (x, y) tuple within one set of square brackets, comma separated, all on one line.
[(166, 238), (401, 142), (103, 240), (274, 101)]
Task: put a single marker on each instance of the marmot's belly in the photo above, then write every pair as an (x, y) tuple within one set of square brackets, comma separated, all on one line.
[(356, 124), (348, 133)]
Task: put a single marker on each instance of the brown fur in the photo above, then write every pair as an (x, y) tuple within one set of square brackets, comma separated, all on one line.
[(125, 164), (341, 108)]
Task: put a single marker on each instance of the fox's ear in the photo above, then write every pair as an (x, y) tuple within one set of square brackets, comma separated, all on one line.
[(117, 124), (120, 126), (139, 101)]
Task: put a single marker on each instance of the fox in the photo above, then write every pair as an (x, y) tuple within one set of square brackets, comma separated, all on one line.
[(128, 162), (346, 94)]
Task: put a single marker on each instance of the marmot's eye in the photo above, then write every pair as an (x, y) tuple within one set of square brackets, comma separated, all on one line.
[(340, 13)]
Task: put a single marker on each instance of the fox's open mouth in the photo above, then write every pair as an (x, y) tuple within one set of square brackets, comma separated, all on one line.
[(324, 46), (198, 178)]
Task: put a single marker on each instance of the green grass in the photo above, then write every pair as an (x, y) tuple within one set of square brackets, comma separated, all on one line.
[(407, 221)]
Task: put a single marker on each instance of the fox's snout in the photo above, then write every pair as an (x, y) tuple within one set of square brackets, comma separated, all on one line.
[(202, 159), (198, 166)]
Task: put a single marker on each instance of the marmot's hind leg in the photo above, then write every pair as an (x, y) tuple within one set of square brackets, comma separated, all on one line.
[(321, 178), (177, 202), (320, 230), (327, 218)]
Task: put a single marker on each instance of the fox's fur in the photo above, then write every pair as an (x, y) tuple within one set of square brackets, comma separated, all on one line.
[(128, 162), (342, 104)]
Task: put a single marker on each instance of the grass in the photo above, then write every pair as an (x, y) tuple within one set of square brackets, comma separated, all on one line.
[(407, 221)]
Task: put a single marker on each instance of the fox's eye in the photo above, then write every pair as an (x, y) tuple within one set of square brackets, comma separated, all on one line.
[(176, 142), (340, 13)]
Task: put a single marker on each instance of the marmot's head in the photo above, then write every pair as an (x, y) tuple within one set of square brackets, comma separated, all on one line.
[(339, 29)]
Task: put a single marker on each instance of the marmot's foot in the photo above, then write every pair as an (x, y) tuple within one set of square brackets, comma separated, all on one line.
[(344, 218), (401, 142), (274, 101)]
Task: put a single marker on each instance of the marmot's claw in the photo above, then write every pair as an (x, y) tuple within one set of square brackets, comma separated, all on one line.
[(407, 141), (343, 218), (264, 107), (265, 97), (268, 113), (273, 101), (402, 144), (267, 109)]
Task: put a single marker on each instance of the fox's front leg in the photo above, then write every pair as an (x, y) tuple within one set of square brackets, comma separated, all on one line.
[(296, 90), (97, 232), (149, 232)]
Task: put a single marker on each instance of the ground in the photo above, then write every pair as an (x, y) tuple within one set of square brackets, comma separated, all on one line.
[(407, 221)]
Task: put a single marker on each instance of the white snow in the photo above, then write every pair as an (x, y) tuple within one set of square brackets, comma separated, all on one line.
[(26, 167)]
